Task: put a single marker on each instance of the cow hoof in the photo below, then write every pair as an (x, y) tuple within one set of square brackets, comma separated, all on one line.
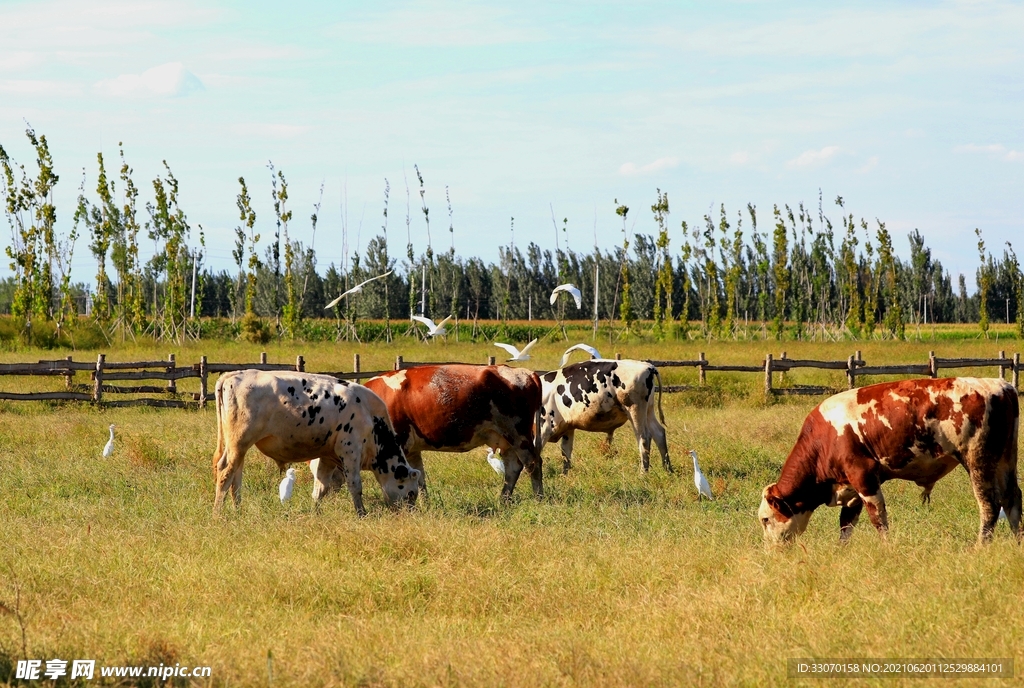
[(926, 498)]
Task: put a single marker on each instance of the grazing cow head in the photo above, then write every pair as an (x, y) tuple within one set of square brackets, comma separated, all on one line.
[(779, 521), (398, 480)]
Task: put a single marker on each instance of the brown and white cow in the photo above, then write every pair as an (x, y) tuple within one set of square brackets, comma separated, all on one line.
[(458, 407), (917, 430), (601, 396), (294, 417)]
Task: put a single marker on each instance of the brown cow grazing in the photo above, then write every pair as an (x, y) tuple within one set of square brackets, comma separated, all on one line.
[(295, 417), (456, 408), (915, 430)]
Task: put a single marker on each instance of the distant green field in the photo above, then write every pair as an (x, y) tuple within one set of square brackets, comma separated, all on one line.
[(615, 578)]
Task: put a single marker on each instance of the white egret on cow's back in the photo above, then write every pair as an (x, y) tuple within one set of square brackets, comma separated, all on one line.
[(569, 289), (108, 449), (703, 489), (355, 290), (497, 463), (515, 353), (594, 353), (432, 329), (284, 490)]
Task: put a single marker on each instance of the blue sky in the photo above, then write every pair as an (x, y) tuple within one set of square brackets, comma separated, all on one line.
[(913, 112)]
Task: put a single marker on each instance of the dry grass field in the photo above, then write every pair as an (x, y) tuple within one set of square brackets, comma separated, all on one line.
[(616, 578)]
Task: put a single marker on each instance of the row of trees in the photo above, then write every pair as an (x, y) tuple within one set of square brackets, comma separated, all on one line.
[(807, 275)]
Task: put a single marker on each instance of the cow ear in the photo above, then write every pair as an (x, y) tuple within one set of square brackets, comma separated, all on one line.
[(777, 504)]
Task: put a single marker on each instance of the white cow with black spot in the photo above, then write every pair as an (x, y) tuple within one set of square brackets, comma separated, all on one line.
[(295, 417), (601, 396)]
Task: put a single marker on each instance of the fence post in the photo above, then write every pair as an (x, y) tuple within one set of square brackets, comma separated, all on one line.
[(933, 366), (300, 364), (618, 356), (491, 360), (703, 376), (1016, 371), (782, 375), (68, 377), (263, 357), (767, 374), (355, 363), (398, 362), (172, 385), (203, 382), (851, 372), (97, 389), (1002, 367)]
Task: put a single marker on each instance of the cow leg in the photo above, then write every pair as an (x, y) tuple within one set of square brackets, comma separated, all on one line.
[(355, 488), (875, 504), (848, 517), (566, 445), (228, 475), (324, 478), (643, 438), (657, 430), (513, 467), (986, 492), (1012, 504)]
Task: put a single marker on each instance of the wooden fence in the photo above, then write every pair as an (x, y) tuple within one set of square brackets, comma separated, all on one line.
[(103, 373)]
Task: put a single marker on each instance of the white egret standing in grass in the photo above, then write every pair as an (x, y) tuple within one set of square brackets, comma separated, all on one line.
[(109, 448), (570, 289), (284, 491), (703, 489), (497, 463), (355, 290), (433, 330), (515, 353), (578, 347)]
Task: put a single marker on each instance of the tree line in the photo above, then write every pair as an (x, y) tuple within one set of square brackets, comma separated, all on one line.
[(802, 272)]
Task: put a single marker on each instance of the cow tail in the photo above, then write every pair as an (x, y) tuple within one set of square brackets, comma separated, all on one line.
[(661, 414), (538, 435), (218, 396)]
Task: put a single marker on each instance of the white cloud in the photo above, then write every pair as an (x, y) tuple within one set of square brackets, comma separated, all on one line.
[(813, 157), (871, 164), (740, 158), (995, 150), (167, 80), (630, 169), (273, 131), (436, 25)]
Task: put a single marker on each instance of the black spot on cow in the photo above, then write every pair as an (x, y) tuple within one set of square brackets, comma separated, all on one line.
[(358, 400), (303, 384), (401, 472), (291, 391), (347, 428), (560, 390), (352, 416), (550, 377), (338, 429), (566, 400), (313, 411), (303, 414), (649, 382), (321, 420), (617, 382), (387, 446)]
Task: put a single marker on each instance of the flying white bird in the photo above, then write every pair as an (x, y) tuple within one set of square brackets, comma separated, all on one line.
[(497, 463), (570, 288), (703, 489), (355, 290), (581, 347), (434, 330), (285, 489), (515, 353), (109, 448)]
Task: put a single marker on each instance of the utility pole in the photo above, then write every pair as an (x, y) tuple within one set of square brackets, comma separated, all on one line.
[(597, 291), (195, 256), (423, 292)]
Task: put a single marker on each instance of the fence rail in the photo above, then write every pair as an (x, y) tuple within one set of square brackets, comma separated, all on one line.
[(104, 372)]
